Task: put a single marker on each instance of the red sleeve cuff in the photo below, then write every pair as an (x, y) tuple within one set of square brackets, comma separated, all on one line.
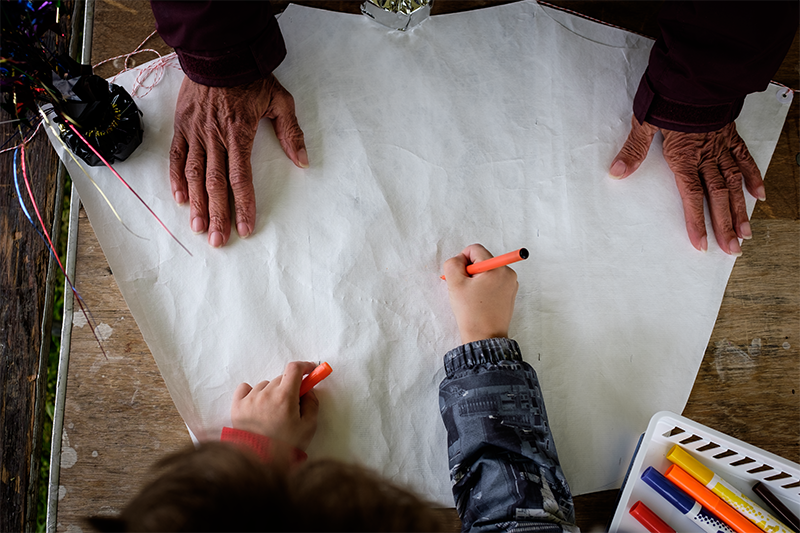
[(268, 450)]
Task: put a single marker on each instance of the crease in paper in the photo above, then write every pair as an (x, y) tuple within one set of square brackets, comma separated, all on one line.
[(493, 126)]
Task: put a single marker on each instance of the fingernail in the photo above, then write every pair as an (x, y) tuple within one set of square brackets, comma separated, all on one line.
[(302, 157), (198, 225), (215, 239), (761, 193), (735, 249), (180, 198), (747, 233), (243, 229), (617, 169), (704, 244)]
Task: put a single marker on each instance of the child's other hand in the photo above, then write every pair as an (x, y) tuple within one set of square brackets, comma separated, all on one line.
[(484, 303), (276, 410)]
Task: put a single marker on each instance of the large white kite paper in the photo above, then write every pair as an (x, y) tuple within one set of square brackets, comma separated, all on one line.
[(493, 126)]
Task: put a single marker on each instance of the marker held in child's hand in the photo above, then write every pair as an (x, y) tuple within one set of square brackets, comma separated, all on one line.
[(316, 375), (497, 262)]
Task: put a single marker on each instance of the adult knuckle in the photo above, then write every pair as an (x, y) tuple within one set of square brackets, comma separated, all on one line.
[(692, 189), (216, 220), (718, 197), (294, 132), (733, 181), (194, 172), (176, 154), (714, 183), (196, 204), (241, 137), (216, 181)]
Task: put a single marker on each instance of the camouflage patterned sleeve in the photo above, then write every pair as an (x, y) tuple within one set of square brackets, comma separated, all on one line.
[(503, 462)]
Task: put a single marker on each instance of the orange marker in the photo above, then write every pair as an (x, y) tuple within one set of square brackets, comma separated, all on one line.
[(497, 262), (316, 375), (710, 501)]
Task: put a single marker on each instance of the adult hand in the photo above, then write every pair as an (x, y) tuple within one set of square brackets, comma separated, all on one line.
[(276, 410), (708, 165), (211, 147), (484, 303)]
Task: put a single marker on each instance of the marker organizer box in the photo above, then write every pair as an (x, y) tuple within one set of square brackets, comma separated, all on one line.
[(737, 462)]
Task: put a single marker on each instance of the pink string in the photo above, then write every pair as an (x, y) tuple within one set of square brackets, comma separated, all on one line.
[(156, 67), (53, 250), (24, 141)]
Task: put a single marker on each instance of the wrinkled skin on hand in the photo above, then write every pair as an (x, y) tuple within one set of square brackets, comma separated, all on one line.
[(706, 165), (211, 147)]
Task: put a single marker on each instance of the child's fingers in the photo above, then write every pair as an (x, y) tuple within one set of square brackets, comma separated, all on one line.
[(261, 385), (456, 267), (241, 391), (293, 376), (476, 253), (309, 406)]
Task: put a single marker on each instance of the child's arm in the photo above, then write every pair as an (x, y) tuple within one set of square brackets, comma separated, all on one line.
[(272, 414), (503, 462)]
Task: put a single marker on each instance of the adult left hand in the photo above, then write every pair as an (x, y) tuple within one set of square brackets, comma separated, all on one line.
[(711, 165), (211, 146)]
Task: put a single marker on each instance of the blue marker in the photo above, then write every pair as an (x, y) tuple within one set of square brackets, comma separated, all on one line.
[(684, 503)]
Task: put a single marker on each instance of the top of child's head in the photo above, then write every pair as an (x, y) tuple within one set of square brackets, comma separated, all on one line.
[(219, 487)]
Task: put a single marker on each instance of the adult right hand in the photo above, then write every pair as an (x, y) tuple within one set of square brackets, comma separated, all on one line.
[(709, 165), (484, 303), (211, 147)]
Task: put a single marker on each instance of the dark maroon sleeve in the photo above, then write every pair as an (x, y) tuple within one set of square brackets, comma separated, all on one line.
[(709, 57), (221, 43)]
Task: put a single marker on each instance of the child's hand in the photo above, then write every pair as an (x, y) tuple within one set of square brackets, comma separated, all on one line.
[(275, 409), (484, 303)]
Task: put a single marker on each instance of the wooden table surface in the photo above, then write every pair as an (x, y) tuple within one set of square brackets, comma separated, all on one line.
[(119, 417), (27, 277)]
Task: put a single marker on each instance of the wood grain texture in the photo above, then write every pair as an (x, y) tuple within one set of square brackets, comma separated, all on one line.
[(25, 313), (748, 385), (740, 386), (119, 418)]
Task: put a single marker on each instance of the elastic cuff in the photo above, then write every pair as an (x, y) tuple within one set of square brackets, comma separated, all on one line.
[(481, 352), (670, 114), (265, 447)]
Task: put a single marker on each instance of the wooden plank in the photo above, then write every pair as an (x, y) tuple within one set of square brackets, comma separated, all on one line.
[(25, 315), (748, 385), (119, 418), (761, 302)]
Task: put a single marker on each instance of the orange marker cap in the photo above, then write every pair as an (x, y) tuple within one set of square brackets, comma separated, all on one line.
[(318, 374), (710, 501)]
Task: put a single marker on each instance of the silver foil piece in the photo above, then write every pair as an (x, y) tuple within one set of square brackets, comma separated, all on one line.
[(397, 14)]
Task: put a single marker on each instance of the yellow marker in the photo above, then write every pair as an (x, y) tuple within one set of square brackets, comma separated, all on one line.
[(730, 494)]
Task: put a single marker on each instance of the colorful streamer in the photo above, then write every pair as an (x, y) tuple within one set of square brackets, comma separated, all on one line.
[(92, 148), (45, 236)]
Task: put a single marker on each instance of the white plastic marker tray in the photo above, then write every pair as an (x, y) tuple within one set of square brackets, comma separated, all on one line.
[(737, 462)]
